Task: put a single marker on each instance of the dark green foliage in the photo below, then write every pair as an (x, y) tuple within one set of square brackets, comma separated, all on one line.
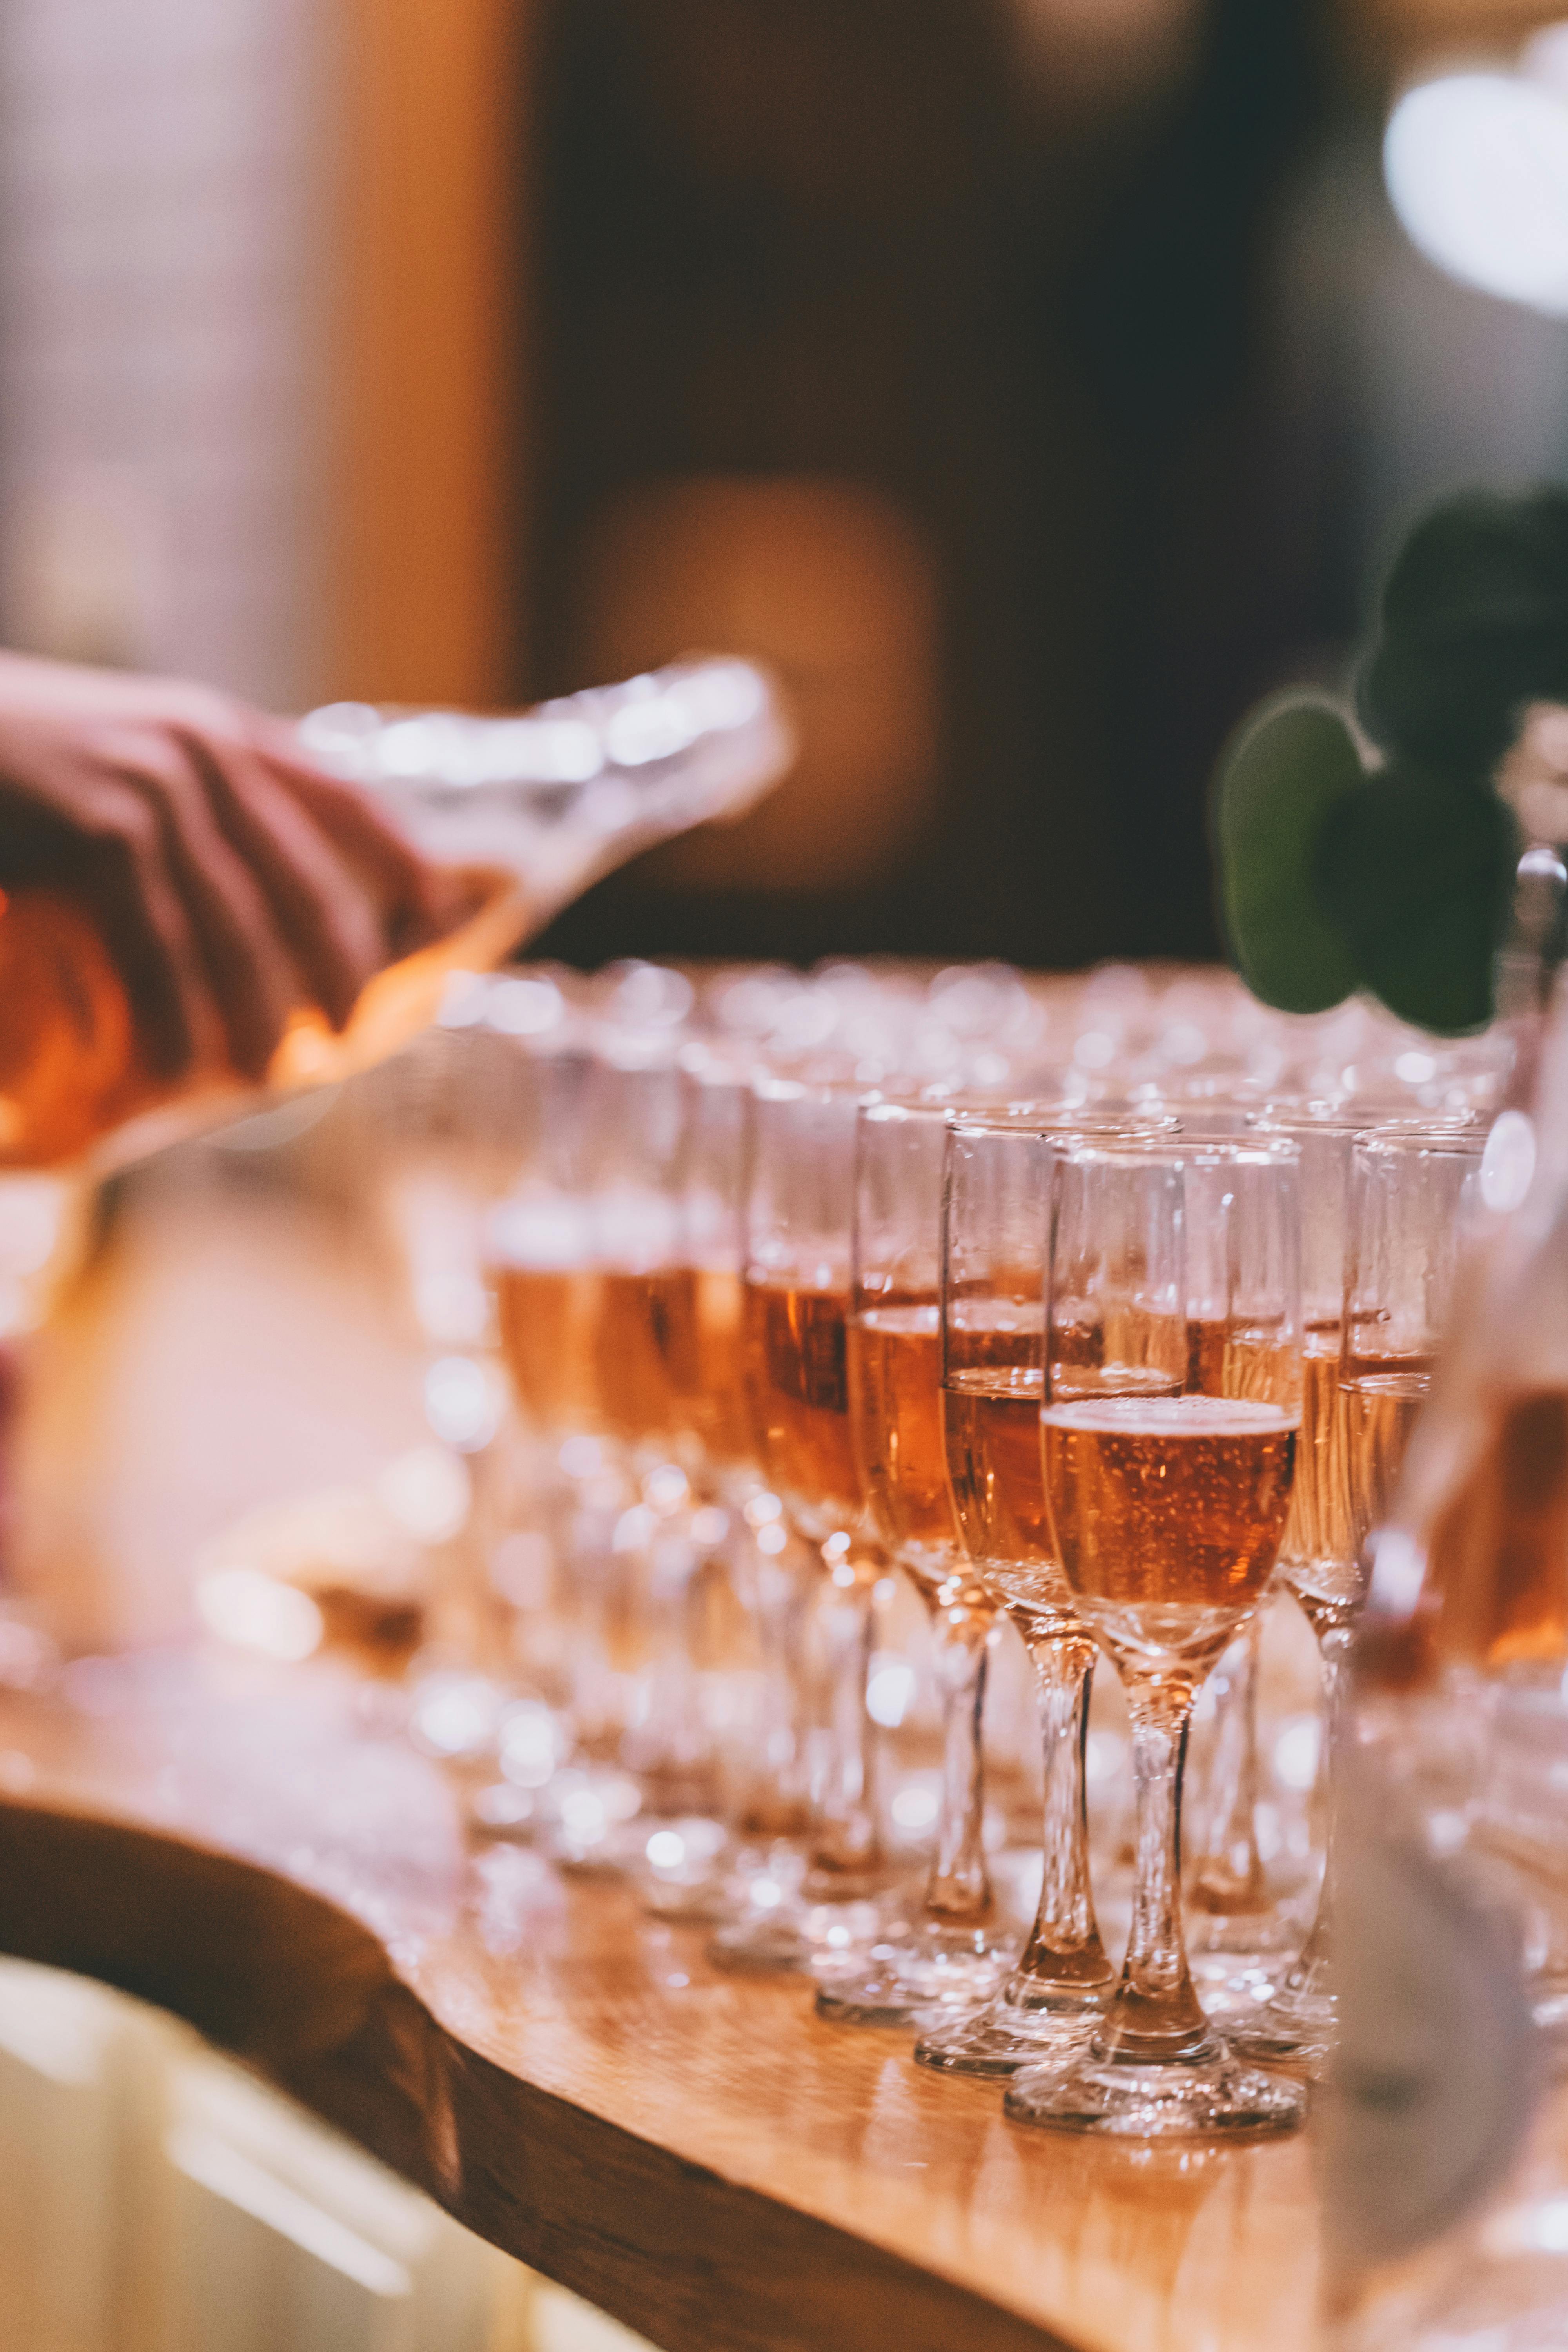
[(1278, 779), (1473, 624), (1400, 881), (1415, 871)]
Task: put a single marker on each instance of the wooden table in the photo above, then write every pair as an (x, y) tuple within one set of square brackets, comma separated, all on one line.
[(695, 2153)]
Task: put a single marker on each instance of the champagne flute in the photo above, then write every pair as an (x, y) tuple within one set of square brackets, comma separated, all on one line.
[(799, 1201), (996, 1195), (949, 1958), (1418, 1176), (1167, 1509)]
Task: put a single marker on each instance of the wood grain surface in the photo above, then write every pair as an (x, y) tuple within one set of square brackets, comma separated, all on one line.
[(699, 2154)]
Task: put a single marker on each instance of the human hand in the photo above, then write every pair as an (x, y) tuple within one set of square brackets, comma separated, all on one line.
[(232, 877)]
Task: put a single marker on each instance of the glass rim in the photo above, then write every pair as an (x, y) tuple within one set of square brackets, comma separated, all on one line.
[(1088, 1120), (1440, 1142), (828, 1085), (1337, 1120), (1177, 1151)]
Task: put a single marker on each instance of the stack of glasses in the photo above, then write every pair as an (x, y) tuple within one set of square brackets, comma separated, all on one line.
[(1101, 1307)]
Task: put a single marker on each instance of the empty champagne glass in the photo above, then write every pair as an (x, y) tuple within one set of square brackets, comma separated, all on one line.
[(996, 1197), (1167, 1507), (950, 1957)]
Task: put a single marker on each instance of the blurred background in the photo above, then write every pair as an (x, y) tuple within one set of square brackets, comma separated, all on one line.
[(1033, 381)]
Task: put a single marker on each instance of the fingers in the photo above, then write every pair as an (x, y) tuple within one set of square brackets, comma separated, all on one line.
[(332, 924), (415, 898), (124, 876), (249, 972)]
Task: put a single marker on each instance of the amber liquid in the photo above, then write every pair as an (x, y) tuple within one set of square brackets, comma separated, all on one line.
[(1495, 1594), (642, 1326), (1499, 1552), (70, 1066), (549, 1317), (1319, 1554), (1206, 1344), (895, 1403), (798, 1388), (708, 1362), (991, 1422), (1380, 1396), (1167, 1512)]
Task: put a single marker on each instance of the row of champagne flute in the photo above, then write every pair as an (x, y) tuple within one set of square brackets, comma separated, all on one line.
[(768, 1312)]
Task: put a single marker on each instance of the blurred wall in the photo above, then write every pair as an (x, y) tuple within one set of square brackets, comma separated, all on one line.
[(259, 261)]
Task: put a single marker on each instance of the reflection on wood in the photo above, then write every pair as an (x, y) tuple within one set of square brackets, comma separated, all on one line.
[(696, 2155)]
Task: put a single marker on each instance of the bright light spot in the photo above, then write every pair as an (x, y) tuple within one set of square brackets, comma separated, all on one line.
[(462, 1402), (914, 1808), (666, 1849), (1507, 1163), (1095, 1050), (257, 1612), (583, 1813), (524, 1008), (838, 1937), (1398, 1572), (530, 1745), (888, 1694), (1541, 2229), (710, 1526), (772, 1540), (678, 1982), (1413, 1069), (763, 1510), (32, 1212), (428, 1492), (634, 1530), (835, 1546), (1183, 1044), (581, 1457), (463, 1000), (1296, 1752), (1476, 168), (455, 1714), (666, 1488), (765, 1895)]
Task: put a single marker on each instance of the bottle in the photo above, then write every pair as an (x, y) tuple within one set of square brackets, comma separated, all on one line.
[(1444, 2174), (527, 811)]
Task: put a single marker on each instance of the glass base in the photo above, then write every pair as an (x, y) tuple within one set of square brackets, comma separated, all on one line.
[(1212, 2096), (1300, 2023), (711, 1885), (914, 1978), (794, 1934), (1002, 2038)]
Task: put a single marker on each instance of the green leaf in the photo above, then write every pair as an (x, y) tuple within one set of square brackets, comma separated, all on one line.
[(1416, 872), (1278, 780), (1473, 623)]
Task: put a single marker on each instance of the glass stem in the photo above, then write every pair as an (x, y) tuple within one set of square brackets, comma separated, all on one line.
[(1156, 2016), (773, 1796), (1229, 1875), (958, 1892), (1310, 1971), (846, 1845), (1064, 1958)]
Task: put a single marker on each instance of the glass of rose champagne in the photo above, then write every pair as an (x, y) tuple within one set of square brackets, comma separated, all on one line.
[(950, 1957), (1167, 1507), (799, 1201), (996, 1191)]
